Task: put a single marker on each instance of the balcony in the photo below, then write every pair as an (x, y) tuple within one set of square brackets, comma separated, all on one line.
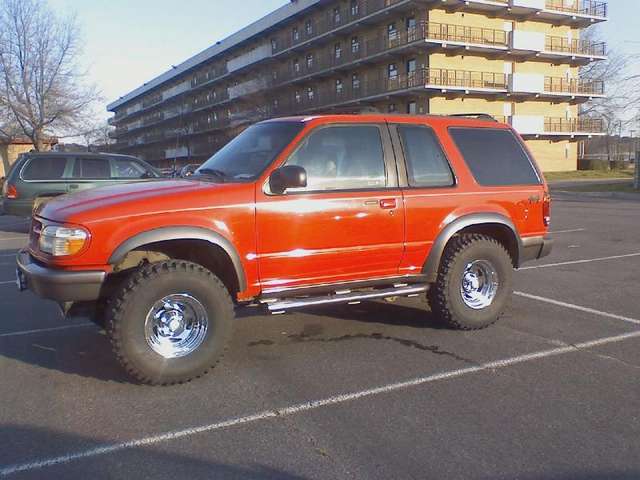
[(588, 8), (346, 15), (466, 80), (537, 126), (575, 47), (428, 35)]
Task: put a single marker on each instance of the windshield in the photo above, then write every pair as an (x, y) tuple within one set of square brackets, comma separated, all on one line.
[(247, 155)]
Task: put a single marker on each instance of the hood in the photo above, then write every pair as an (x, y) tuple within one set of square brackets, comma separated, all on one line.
[(134, 199)]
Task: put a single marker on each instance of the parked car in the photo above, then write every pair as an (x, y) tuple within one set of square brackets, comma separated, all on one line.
[(294, 213), (37, 177)]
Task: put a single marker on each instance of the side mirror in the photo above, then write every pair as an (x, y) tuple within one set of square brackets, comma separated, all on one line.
[(289, 176)]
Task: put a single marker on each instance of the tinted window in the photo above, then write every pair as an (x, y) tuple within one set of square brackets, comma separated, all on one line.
[(342, 158), (427, 165), (91, 168), (495, 157), (128, 169), (48, 168)]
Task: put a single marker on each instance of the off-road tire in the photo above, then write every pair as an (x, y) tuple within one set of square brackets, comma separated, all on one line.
[(131, 303), (444, 295)]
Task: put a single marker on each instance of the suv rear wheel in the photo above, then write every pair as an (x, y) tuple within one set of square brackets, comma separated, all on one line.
[(170, 322), (474, 283)]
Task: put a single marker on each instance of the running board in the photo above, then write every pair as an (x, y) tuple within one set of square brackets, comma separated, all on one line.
[(346, 296)]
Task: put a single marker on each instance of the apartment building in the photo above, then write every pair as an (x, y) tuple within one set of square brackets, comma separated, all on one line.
[(518, 60)]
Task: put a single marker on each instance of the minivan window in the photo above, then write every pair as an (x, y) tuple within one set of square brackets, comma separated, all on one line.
[(91, 168), (342, 158), (427, 165), (44, 168), (495, 156)]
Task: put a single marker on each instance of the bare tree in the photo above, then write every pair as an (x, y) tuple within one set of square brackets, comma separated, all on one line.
[(41, 85)]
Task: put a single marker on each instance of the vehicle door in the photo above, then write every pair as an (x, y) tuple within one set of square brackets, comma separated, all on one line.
[(346, 224), (44, 176), (89, 172)]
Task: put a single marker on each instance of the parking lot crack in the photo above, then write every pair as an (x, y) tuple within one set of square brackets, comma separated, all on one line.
[(305, 338)]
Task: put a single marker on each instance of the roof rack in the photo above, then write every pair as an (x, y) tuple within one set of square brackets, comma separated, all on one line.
[(479, 116)]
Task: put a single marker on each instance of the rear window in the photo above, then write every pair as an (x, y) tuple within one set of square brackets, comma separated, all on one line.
[(46, 168), (495, 157)]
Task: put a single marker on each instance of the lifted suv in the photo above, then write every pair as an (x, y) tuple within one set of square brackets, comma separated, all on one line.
[(296, 212)]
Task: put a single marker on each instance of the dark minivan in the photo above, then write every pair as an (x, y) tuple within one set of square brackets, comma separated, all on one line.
[(37, 177)]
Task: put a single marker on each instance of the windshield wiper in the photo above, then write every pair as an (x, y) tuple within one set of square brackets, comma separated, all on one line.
[(213, 172)]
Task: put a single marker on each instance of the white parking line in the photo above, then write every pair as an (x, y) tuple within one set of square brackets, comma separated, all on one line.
[(575, 230), (576, 262), (45, 330), (10, 282), (26, 237), (304, 407), (578, 307)]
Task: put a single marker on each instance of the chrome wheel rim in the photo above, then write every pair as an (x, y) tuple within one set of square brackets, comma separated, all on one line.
[(479, 284), (176, 325)]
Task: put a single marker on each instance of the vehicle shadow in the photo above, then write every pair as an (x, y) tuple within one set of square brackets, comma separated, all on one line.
[(402, 313), (13, 225), (132, 462)]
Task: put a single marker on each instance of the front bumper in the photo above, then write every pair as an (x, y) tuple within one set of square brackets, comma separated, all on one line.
[(58, 285), (534, 248)]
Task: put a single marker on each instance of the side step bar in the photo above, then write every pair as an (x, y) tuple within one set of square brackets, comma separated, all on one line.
[(403, 290)]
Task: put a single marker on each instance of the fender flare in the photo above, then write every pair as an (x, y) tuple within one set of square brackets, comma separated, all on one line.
[(432, 265), (182, 233)]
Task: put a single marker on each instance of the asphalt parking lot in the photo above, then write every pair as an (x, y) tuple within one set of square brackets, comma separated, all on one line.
[(373, 391)]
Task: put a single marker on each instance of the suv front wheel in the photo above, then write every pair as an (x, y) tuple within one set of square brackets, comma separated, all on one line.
[(170, 322), (474, 283)]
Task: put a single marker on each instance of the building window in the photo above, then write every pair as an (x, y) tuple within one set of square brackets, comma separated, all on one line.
[(296, 65), (310, 93), (275, 104), (355, 81), (310, 61), (392, 71), (298, 96), (308, 27), (339, 87), (274, 44), (355, 8), (295, 34), (337, 50), (392, 32), (393, 108), (412, 29), (337, 17), (355, 45), (412, 108)]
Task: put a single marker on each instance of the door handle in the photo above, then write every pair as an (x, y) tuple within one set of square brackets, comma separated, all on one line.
[(73, 187), (388, 203), (371, 202)]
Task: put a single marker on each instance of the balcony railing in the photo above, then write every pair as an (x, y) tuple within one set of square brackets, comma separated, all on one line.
[(573, 125), (466, 79), (158, 117), (352, 92), (148, 102), (575, 46), (459, 33), (592, 8), (573, 86)]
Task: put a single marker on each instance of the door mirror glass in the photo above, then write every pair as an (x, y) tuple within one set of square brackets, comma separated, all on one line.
[(290, 176)]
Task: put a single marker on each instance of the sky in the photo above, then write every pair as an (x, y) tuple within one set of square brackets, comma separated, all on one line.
[(129, 42)]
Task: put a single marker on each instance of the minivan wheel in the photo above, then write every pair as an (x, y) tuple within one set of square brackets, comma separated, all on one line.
[(474, 283), (170, 322)]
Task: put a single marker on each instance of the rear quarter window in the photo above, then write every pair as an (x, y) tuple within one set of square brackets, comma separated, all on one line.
[(47, 168), (495, 156)]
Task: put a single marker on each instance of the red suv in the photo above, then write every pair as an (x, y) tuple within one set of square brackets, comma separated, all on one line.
[(296, 212)]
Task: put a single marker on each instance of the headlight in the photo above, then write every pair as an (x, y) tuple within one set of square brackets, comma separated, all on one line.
[(62, 241)]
